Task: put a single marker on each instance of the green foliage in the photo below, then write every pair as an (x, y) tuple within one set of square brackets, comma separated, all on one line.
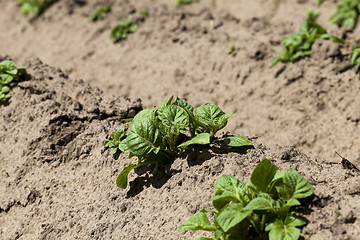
[(99, 13), (347, 13), (183, 2), (8, 74), (115, 140), (299, 44), (248, 210), (157, 136), (355, 58), (35, 7), (122, 29), (231, 49)]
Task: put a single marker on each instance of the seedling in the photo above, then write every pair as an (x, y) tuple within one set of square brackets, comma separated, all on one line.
[(122, 29), (99, 13), (8, 74), (35, 7), (231, 49), (183, 2), (347, 13), (299, 44), (355, 58), (158, 136), (258, 209)]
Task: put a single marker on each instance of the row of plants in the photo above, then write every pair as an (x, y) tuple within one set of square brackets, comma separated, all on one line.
[(122, 29), (261, 208), (298, 45)]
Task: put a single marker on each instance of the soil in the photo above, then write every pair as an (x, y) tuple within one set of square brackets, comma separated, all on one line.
[(57, 178)]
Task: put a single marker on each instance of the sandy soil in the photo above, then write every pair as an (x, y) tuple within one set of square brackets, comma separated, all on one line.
[(57, 179)]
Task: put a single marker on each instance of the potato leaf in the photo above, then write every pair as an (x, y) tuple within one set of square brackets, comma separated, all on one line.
[(198, 221), (143, 136), (228, 189), (293, 186), (121, 180), (173, 119), (262, 202), (212, 116), (263, 174), (202, 139), (231, 216), (236, 141), (286, 230)]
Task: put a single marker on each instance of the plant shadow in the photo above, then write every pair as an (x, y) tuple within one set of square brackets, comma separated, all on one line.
[(157, 180)]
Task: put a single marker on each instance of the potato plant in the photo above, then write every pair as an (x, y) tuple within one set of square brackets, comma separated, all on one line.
[(35, 7), (347, 13), (8, 74), (122, 29), (258, 209), (99, 13), (157, 136), (299, 44)]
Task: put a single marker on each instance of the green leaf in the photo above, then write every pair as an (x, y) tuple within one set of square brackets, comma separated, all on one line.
[(263, 174), (123, 146), (262, 202), (202, 139), (113, 150), (143, 135), (294, 185), (186, 106), (208, 113), (121, 180), (5, 89), (236, 141), (174, 119), (198, 221), (231, 216), (287, 230)]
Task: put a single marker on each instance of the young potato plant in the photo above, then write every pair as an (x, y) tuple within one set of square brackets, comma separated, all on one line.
[(183, 2), (355, 58), (99, 13), (8, 74), (35, 7), (299, 44), (347, 13), (157, 136), (122, 29), (258, 209)]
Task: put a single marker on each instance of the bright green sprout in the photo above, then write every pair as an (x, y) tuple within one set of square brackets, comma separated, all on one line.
[(8, 74), (347, 13), (122, 29), (231, 49), (298, 45), (183, 2), (258, 209), (158, 136), (99, 13), (35, 7), (355, 58)]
